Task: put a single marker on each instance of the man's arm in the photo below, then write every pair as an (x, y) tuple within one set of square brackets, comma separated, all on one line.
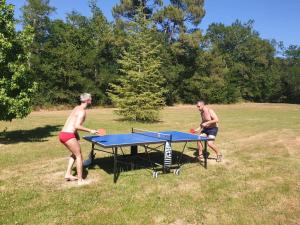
[(79, 121), (198, 129)]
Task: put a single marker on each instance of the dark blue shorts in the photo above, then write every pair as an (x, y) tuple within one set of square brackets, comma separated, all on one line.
[(210, 131)]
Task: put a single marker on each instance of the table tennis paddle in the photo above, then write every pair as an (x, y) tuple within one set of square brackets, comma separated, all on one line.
[(192, 131), (101, 131)]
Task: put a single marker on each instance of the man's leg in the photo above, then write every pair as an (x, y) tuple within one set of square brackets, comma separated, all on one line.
[(215, 149), (69, 175), (200, 148), (74, 147)]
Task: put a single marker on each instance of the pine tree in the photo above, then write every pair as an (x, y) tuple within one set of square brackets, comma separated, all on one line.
[(36, 14), (138, 92), (127, 9)]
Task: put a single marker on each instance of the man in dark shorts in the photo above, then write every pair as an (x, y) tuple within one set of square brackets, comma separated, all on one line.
[(208, 128)]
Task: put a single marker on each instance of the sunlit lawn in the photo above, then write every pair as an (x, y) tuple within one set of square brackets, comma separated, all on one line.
[(257, 183)]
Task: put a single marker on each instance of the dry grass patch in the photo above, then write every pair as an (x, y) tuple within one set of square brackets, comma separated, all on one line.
[(257, 183)]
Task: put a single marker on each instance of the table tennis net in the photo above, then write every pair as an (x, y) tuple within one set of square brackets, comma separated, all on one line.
[(166, 137)]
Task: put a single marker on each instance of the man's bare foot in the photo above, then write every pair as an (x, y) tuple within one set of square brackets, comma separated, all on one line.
[(70, 178), (200, 157), (83, 182), (219, 157)]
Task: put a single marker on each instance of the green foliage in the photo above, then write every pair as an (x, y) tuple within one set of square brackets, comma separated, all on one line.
[(73, 56), (212, 89), (179, 16), (290, 75), (81, 53), (292, 53), (16, 86), (210, 82), (36, 14), (248, 58), (127, 9), (138, 93)]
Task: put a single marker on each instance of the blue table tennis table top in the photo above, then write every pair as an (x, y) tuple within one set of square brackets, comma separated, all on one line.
[(130, 139)]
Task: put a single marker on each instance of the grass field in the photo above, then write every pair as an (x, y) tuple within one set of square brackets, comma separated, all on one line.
[(257, 183)]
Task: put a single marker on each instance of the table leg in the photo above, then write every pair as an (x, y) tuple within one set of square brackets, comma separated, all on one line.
[(181, 154), (205, 154), (115, 150), (167, 157), (92, 154), (133, 150)]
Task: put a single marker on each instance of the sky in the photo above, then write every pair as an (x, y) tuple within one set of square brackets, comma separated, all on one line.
[(274, 19)]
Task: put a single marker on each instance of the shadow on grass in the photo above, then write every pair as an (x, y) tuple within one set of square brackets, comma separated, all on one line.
[(196, 153), (85, 172), (38, 134), (151, 162)]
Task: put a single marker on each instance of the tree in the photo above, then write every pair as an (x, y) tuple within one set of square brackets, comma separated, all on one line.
[(248, 57), (75, 55), (293, 52), (210, 81), (102, 54), (179, 21), (138, 93), (290, 74), (36, 14), (180, 17), (16, 86), (127, 9)]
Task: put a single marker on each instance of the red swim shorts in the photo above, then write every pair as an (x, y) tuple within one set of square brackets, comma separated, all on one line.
[(65, 136)]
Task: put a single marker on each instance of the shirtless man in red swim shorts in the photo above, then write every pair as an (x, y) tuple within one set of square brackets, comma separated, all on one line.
[(69, 137)]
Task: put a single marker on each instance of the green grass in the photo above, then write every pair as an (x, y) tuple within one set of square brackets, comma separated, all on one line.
[(258, 182)]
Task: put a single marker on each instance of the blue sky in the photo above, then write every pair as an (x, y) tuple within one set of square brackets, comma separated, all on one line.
[(274, 19)]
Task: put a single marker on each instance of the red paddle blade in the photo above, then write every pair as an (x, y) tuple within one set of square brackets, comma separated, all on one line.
[(101, 131), (192, 131)]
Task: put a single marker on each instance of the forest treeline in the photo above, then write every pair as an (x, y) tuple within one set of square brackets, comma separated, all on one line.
[(223, 64)]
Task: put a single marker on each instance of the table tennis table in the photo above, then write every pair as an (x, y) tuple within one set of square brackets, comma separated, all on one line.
[(149, 140)]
